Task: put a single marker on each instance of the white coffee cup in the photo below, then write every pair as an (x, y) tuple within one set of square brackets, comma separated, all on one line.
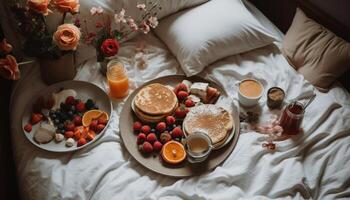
[(249, 92)]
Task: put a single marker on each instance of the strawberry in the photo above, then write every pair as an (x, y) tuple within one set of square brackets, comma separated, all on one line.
[(91, 135), (36, 117), (145, 129), (137, 126), (99, 128), (189, 103), (161, 126), (69, 126), (181, 111), (151, 138), (177, 132), (69, 134), (93, 125), (165, 137), (157, 146), (170, 120), (49, 103), (141, 138), (70, 100), (102, 121), (180, 87), (147, 147), (77, 120), (80, 107), (28, 127), (81, 142), (182, 95)]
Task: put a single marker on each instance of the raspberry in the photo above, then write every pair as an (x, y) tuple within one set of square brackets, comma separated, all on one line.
[(81, 142), (182, 95), (80, 107), (28, 127), (161, 126), (145, 129), (147, 147), (157, 146), (141, 138), (137, 126), (93, 125), (151, 138), (69, 134), (189, 103), (170, 120), (77, 120), (69, 126), (102, 121), (70, 100), (181, 111), (177, 132), (100, 128)]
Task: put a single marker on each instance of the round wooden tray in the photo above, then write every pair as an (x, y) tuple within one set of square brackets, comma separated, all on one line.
[(85, 90), (154, 162)]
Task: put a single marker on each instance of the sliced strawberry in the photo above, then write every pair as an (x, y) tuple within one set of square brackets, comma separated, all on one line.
[(35, 118)]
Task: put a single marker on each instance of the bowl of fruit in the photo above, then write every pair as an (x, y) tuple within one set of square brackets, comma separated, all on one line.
[(66, 116)]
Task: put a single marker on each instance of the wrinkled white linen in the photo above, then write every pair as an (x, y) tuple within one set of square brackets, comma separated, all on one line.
[(106, 171), (313, 164)]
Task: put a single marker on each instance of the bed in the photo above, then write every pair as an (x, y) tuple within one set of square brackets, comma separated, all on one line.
[(311, 166)]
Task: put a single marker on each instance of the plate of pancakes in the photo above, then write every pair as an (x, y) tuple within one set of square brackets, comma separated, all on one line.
[(152, 102)]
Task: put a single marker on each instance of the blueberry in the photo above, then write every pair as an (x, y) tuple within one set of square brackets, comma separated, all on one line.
[(72, 108), (56, 121), (70, 113), (64, 116), (63, 131), (153, 130), (53, 116), (169, 128), (174, 126), (60, 126)]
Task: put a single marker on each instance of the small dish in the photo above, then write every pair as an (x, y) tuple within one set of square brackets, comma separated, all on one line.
[(198, 147)]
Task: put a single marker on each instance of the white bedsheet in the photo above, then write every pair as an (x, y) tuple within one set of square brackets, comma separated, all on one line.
[(315, 164)]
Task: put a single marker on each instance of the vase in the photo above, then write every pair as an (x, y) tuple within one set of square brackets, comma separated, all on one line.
[(56, 70)]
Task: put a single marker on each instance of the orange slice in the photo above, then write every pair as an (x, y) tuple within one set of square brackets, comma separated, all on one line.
[(173, 152), (104, 115), (90, 115)]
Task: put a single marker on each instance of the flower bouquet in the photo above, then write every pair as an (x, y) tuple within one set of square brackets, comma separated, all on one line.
[(54, 50), (109, 32)]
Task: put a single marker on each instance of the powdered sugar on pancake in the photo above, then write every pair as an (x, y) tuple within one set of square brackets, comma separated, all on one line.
[(210, 119)]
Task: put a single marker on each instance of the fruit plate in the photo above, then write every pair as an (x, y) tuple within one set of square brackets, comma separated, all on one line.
[(85, 90), (154, 162)]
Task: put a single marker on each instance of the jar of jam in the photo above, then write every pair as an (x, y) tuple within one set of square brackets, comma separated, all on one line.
[(291, 118)]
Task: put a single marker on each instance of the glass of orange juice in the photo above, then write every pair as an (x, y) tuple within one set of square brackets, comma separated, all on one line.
[(117, 79)]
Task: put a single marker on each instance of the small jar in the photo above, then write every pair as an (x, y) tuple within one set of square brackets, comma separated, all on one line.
[(198, 147), (118, 81), (275, 97)]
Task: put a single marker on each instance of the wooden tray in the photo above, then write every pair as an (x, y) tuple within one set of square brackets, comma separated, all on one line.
[(85, 90), (153, 162)]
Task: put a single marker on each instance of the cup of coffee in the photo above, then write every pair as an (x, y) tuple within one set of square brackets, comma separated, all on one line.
[(249, 92)]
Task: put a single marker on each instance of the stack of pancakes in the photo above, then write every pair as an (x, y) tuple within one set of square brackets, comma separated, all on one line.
[(210, 119), (154, 102)]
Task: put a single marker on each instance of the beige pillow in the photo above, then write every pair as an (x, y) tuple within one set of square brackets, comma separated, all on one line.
[(315, 51)]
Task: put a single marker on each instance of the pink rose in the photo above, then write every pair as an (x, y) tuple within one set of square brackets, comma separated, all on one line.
[(9, 68), (5, 47), (39, 6), (71, 6), (67, 37)]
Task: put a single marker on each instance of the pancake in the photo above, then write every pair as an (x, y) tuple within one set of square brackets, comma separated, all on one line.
[(150, 118), (213, 120), (155, 99)]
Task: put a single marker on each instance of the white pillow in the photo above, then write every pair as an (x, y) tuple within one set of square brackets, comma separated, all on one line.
[(211, 31)]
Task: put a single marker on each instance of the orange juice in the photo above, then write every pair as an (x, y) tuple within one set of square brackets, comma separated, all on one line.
[(117, 79)]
